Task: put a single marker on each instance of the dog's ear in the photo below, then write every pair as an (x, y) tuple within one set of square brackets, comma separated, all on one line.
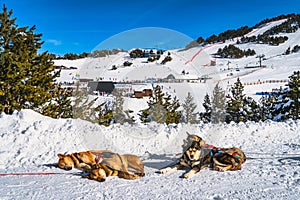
[(202, 143), (60, 155), (188, 133)]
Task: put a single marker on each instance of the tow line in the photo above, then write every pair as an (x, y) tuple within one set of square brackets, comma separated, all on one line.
[(30, 174)]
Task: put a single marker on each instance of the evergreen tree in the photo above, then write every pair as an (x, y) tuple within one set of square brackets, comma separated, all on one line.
[(188, 109), (235, 105), (294, 85), (287, 104), (251, 110), (118, 107), (173, 116), (161, 108), (119, 115), (206, 116), (155, 111), (218, 105), (60, 104), (26, 77), (82, 105), (105, 115), (266, 104)]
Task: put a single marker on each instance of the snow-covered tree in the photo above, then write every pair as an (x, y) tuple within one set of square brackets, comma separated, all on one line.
[(161, 108), (189, 106), (287, 104), (109, 113), (251, 110), (119, 114), (104, 114), (235, 104), (82, 105), (155, 111), (266, 104), (218, 105)]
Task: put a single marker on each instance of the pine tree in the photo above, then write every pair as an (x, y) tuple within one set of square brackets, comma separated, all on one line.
[(119, 115), (206, 116), (156, 109), (235, 105), (251, 110), (287, 104), (266, 104), (294, 85), (218, 105), (26, 77), (105, 115), (188, 109), (60, 104), (173, 116), (161, 108), (82, 105)]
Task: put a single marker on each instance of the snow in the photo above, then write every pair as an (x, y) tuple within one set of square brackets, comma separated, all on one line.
[(263, 28), (30, 142)]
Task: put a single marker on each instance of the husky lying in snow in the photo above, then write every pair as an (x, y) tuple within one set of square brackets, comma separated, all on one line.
[(103, 163), (198, 155)]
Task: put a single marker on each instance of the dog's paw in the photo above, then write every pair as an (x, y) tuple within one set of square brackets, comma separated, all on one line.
[(220, 169), (135, 176), (162, 171), (187, 175), (100, 179), (165, 170)]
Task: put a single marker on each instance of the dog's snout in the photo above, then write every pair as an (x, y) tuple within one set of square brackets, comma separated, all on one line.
[(68, 168)]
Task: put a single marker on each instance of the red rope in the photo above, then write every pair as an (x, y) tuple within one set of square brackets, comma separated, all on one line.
[(29, 174)]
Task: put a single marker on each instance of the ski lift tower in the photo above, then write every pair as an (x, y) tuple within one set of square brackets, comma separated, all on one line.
[(260, 57)]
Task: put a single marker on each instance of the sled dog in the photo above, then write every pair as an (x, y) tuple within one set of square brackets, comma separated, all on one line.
[(103, 163), (197, 157)]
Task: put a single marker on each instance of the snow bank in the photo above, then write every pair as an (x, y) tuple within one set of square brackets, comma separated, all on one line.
[(29, 143)]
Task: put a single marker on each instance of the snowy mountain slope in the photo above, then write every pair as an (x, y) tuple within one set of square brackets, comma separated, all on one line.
[(29, 143), (263, 28), (192, 60)]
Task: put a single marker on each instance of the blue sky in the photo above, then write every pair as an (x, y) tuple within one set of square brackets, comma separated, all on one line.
[(76, 26)]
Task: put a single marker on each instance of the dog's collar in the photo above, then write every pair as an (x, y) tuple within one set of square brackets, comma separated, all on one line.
[(209, 146)]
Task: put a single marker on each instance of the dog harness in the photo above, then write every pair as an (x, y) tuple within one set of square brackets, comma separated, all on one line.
[(216, 150), (235, 155), (98, 157)]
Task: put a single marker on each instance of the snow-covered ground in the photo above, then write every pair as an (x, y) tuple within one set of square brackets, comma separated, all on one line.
[(29, 143)]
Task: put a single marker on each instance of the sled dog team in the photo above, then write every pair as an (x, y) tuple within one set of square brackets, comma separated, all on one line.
[(196, 155)]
